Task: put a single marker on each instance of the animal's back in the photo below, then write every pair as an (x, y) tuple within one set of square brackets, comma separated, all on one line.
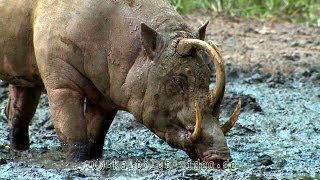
[(98, 30), (100, 39)]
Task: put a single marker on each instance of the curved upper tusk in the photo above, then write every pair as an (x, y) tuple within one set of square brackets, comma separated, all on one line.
[(211, 43), (232, 120), (183, 48), (197, 130)]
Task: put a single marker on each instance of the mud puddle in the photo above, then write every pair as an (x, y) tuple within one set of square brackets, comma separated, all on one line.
[(277, 136)]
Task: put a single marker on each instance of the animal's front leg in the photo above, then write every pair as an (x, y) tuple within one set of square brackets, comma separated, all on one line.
[(67, 109), (99, 121)]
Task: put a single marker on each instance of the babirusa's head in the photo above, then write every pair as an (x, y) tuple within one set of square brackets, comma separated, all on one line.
[(178, 105)]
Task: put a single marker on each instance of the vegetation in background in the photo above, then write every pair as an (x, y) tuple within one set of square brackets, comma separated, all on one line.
[(185, 6), (303, 11)]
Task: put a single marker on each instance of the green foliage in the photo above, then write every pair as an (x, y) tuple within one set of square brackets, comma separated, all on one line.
[(185, 6), (306, 11)]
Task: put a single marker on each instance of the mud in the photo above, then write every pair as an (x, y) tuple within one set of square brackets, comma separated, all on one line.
[(275, 68)]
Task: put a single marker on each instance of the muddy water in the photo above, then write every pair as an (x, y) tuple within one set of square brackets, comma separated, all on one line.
[(277, 136)]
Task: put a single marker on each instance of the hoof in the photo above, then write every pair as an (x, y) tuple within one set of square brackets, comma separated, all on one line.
[(19, 139), (76, 152), (96, 150)]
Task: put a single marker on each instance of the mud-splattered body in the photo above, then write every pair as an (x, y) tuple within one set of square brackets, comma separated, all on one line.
[(94, 58)]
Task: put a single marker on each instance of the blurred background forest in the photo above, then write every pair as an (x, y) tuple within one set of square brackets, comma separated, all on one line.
[(297, 11)]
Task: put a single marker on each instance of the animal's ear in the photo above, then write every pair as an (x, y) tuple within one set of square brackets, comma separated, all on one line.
[(149, 38), (201, 32)]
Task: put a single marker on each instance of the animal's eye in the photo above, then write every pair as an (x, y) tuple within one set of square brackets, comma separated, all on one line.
[(176, 85), (180, 81)]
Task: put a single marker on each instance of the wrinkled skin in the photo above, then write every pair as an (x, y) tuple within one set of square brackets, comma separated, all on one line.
[(94, 58)]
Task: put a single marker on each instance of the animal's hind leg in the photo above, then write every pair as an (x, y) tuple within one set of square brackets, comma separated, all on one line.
[(20, 109), (99, 121)]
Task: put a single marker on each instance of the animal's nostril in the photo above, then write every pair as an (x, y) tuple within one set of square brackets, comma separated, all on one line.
[(216, 161)]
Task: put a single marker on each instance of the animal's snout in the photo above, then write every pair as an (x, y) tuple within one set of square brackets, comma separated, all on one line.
[(217, 158)]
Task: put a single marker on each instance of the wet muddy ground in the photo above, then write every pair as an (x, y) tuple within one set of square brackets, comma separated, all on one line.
[(275, 68)]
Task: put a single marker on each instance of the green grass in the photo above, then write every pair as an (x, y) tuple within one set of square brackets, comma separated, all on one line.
[(186, 6), (297, 11)]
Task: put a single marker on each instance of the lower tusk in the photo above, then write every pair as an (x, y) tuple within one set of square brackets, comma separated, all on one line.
[(197, 130), (232, 120)]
